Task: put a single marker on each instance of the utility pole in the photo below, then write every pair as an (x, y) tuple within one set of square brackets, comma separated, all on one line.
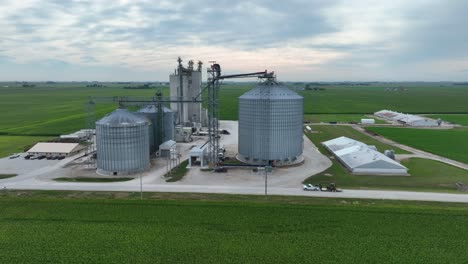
[(267, 169), (141, 187)]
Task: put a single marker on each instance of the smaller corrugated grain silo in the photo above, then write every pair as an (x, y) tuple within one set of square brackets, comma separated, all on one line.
[(162, 130), (122, 143), (271, 125)]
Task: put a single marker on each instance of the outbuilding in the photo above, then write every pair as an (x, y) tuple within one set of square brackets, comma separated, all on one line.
[(166, 148), (198, 156), (367, 121), (55, 149), (360, 158)]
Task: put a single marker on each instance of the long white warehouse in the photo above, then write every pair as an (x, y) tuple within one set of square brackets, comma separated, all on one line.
[(360, 158), (407, 119)]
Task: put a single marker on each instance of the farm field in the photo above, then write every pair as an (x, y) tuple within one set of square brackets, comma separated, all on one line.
[(49, 110), (426, 175), (460, 119), (365, 99), (12, 144), (327, 132), (450, 143), (53, 109), (159, 231), (369, 99)]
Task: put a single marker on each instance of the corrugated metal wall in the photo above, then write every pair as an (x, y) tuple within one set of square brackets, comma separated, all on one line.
[(122, 147), (270, 124)]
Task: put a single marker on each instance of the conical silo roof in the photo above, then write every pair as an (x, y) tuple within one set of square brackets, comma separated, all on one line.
[(151, 109), (270, 90), (122, 117)]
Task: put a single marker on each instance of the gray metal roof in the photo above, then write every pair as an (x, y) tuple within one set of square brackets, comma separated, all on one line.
[(271, 90), (408, 119), (360, 158), (153, 109), (167, 145), (49, 147), (122, 117)]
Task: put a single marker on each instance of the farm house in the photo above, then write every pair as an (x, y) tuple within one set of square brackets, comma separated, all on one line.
[(360, 158)]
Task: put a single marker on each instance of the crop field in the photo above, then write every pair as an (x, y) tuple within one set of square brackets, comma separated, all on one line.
[(327, 132), (369, 99), (35, 230), (12, 144), (48, 110), (460, 119), (450, 143), (365, 99), (426, 175)]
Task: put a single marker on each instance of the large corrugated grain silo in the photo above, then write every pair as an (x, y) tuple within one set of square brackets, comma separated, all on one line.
[(162, 130), (122, 143), (271, 125)]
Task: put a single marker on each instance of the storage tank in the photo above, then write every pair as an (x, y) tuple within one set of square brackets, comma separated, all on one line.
[(271, 120), (122, 143), (167, 128)]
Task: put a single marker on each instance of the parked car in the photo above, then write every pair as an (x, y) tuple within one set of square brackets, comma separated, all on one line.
[(310, 187), (61, 158), (41, 157), (33, 157), (14, 156), (28, 156)]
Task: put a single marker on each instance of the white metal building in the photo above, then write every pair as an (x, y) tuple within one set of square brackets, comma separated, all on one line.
[(360, 158), (407, 119), (367, 121), (56, 149), (166, 148), (80, 134), (198, 156)]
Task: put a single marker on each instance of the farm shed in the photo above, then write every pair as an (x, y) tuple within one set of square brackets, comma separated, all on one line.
[(360, 158), (198, 156), (166, 147), (367, 121), (59, 149), (407, 119)]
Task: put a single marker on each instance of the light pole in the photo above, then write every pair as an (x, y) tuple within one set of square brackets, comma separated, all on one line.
[(141, 187), (267, 169)]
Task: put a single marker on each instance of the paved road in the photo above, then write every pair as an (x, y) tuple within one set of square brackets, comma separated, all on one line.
[(134, 186)]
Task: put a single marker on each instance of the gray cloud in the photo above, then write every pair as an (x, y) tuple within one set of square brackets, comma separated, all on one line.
[(358, 40)]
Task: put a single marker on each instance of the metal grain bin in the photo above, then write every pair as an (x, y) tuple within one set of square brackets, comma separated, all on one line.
[(122, 142), (271, 125), (167, 128)]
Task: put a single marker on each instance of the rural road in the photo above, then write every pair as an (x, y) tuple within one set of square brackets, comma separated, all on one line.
[(134, 186)]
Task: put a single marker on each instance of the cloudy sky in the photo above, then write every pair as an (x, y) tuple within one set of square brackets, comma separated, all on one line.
[(310, 40)]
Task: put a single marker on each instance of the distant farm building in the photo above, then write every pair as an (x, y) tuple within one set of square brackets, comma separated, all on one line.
[(360, 158), (367, 121), (407, 119), (55, 149)]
